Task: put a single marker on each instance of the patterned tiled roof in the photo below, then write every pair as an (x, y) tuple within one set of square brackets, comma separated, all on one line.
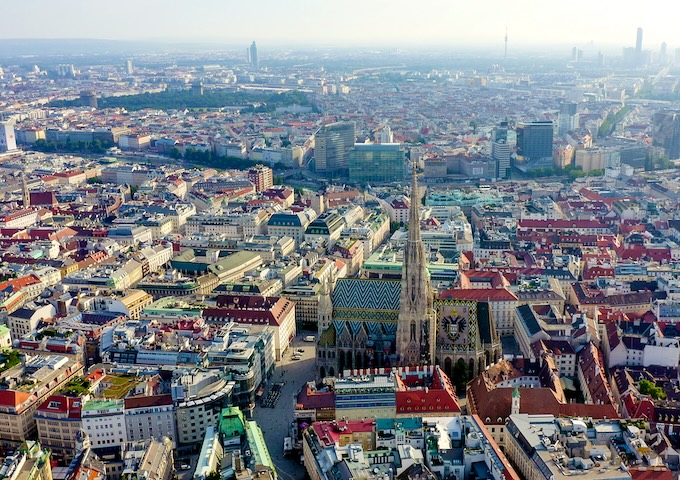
[(367, 294)]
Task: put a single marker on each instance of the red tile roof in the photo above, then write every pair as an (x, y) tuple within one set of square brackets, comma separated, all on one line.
[(144, 401), (69, 407)]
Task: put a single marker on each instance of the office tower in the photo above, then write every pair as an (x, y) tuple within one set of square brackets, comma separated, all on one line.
[(534, 141), (416, 324), (377, 163), (638, 43), (128, 67), (567, 120), (500, 150), (197, 89), (383, 134), (66, 70), (261, 177), (88, 98), (333, 143), (666, 127), (662, 53), (253, 57), (8, 141), (248, 55)]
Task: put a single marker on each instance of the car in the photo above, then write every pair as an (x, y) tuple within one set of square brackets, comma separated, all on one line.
[(300, 350), (296, 357), (309, 338), (185, 466)]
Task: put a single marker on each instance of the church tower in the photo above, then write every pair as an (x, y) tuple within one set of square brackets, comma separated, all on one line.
[(415, 328), (26, 195), (325, 314), (514, 409)]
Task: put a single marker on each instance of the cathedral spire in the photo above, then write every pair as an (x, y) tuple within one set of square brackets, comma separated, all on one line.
[(415, 325)]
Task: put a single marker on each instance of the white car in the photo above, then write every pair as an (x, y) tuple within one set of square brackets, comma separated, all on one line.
[(185, 466)]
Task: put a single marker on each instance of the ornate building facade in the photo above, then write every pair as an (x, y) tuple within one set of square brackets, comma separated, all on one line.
[(376, 323), (415, 328)]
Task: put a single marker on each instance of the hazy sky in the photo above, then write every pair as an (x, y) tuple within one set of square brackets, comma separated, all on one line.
[(338, 22)]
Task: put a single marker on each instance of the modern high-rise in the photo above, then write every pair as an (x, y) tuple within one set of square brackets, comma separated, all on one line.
[(415, 344), (500, 150), (667, 133), (638, 43), (88, 98), (253, 57), (8, 140), (128, 67), (534, 141), (333, 143), (261, 177), (567, 120), (376, 163)]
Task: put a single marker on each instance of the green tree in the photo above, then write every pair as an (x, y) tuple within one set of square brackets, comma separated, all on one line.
[(460, 376), (95, 181), (214, 475), (647, 387), (175, 153)]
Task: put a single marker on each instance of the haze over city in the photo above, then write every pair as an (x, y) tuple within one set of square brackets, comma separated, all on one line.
[(380, 23)]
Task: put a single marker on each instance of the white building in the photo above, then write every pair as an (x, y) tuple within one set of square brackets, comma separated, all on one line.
[(104, 422), (8, 141)]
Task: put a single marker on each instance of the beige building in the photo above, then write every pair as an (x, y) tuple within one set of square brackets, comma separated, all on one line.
[(58, 423), (151, 461), (29, 384)]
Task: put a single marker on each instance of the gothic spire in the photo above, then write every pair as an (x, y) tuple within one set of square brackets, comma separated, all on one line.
[(415, 325)]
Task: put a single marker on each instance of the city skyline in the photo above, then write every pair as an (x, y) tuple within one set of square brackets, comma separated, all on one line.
[(379, 23)]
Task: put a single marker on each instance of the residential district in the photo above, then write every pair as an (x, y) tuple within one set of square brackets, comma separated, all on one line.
[(238, 269)]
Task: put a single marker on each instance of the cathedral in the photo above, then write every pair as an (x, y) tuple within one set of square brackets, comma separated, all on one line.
[(379, 323)]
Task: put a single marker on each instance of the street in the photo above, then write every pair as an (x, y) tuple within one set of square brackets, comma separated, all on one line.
[(274, 422)]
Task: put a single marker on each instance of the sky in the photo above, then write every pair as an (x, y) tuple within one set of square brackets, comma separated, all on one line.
[(398, 23)]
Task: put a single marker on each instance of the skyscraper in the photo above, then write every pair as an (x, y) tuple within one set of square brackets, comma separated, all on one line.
[(88, 98), (128, 67), (500, 150), (415, 343), (534, 141), (333, 144), (638, 43), (8, 140), (253, 57), (567, 119), (667, 133)]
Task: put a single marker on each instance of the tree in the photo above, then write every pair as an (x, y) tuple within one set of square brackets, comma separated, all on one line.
[(95, 181), (460, 376), (175, 153), (647, 387), (214, 475)]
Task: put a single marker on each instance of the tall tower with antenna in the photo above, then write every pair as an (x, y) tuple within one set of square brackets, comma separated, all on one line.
[(505, 55)]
